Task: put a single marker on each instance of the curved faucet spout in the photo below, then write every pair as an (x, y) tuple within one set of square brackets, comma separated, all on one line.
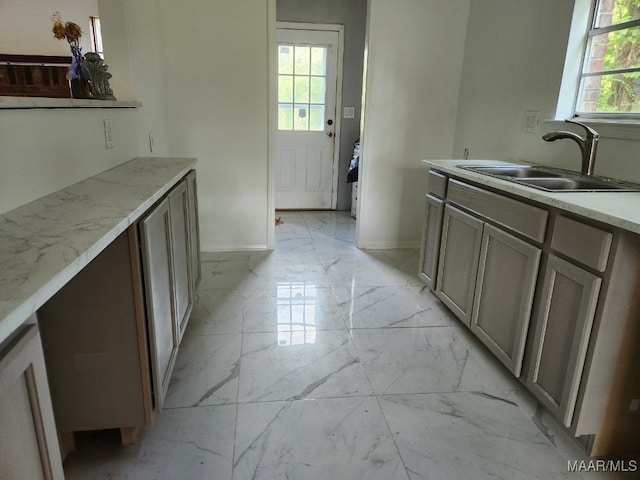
[(588, 145)]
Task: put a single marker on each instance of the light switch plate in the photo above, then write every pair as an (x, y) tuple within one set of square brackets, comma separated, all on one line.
[(530, 121), (108, 133), (349, 112)]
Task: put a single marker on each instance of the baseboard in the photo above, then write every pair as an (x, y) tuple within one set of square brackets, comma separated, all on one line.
[(391, 245)]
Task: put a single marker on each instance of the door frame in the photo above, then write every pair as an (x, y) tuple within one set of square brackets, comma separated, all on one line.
[(338, 113)]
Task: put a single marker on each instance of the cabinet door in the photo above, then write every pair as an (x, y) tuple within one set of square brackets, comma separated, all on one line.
[(194, 230), (563, 327), (431, 241), (155, 235), (181, 262), (28, 440), (458, 263), (507, 275)]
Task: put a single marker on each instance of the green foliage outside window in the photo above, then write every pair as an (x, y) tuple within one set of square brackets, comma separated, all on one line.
[(620, 92)]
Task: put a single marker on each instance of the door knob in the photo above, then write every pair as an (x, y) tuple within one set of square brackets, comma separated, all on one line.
[(329, 134)]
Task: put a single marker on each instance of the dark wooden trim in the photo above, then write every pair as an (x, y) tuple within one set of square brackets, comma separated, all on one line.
[(35, 59)]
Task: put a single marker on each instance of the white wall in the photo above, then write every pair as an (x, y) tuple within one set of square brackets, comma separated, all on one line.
[(514, 60), (216, 58), (46, 150), (415, 53), (25, 25)]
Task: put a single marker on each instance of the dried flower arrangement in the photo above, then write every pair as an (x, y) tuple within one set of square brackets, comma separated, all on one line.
[(78, 72), (65, 30)]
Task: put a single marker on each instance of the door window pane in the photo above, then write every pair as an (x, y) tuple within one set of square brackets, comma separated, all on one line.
[(317, 90), (285, 89), (285, 59), (302, 60), (316, 118), (302, 90), (318, 63), (285, 117), (301, 117)]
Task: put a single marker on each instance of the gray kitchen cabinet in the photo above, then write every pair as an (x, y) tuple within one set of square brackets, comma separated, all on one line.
[(458, 261), (167, 265), (431, 240), (504, 293), (181, 266), (563, 329), (28, 439), (552, 294), (194, 231), (155, 236)]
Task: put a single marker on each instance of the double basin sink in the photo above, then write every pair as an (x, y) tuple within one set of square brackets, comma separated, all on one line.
[(553, 179)]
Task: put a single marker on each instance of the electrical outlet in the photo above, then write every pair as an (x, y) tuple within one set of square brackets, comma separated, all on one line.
[(108, 133)]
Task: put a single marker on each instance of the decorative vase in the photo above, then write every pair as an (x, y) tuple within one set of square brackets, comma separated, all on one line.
[(79, 75)]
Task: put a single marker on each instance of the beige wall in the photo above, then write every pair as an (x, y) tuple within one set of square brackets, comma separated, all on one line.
[(514, 60), (46, 150), (415, 52), (216, 58), (25, 25)]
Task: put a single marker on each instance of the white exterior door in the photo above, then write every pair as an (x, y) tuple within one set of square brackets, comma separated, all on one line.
[(305, 140)]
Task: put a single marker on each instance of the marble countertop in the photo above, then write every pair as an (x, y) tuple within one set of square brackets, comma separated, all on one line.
[(620, 209), (45, 243)]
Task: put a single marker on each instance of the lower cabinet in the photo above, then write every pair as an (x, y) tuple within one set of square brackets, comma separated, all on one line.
[(431, 240), (504, 292), (181, 264), (551, 294), (155, 237), (166, 248), (487, 277), (194, 230), (28, 440), (458, 262), (111, 334), (561, 338)]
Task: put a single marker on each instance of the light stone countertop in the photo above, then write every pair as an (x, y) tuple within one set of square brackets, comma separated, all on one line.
[(45, 243), (620, 209)]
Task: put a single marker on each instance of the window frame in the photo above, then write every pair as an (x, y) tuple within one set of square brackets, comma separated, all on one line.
[(591, 31)]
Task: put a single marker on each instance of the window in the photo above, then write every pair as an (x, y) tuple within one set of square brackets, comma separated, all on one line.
[(610, 76), (96, 36), (301, 87)]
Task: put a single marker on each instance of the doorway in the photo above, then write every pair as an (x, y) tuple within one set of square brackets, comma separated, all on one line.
[(309, 86)]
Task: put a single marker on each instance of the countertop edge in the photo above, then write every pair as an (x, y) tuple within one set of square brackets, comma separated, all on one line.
[(611, 207)]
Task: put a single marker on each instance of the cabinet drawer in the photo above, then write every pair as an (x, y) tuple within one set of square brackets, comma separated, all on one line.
[(584, 243), (437, 184), (525, 219)]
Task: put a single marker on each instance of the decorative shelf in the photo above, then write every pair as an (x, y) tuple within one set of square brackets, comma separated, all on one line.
[(8, 103)]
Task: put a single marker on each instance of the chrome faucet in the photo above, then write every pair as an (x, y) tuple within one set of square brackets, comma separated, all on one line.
[(588, 145)]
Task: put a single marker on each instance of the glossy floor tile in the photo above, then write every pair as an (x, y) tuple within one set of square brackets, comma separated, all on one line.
[(321, 361)]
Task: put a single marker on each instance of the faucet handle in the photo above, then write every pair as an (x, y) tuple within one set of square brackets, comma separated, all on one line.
[(591, 133)]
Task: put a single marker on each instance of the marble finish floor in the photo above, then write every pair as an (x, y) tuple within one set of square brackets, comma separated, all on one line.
[(321, 361)]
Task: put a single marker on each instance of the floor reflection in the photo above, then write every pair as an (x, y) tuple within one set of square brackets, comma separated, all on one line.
[(296, 313)]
